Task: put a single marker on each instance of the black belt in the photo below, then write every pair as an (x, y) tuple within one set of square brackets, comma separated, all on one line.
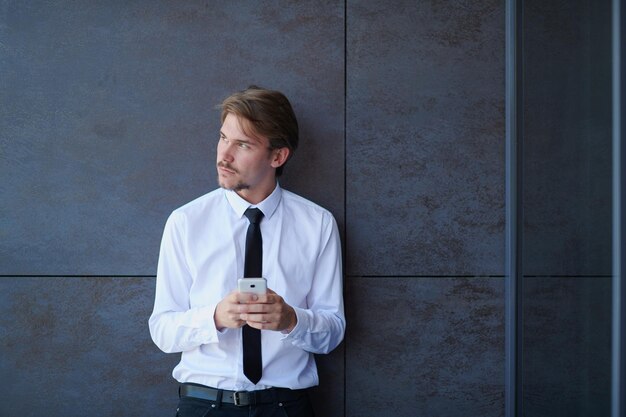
[(240, 398)]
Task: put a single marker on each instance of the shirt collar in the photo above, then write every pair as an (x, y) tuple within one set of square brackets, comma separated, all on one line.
[(267, 206)]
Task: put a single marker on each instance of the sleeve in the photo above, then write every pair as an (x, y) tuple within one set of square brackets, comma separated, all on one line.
[(174, 326), (321, 326)]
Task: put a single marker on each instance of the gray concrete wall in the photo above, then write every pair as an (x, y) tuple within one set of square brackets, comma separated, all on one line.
[(107, 123), (425, 208)]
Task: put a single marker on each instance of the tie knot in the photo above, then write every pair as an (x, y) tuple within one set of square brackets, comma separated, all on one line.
[(254, 215)]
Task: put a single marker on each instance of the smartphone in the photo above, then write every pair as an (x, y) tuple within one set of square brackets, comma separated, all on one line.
[(253, 285)]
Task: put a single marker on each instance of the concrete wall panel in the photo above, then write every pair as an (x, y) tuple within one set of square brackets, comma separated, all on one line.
[(81, 346), (425, 346), (567, 141), (109, 123), (425, 138), (567, 346)]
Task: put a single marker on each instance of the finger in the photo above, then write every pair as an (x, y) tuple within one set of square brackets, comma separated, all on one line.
[(266, 325), (274, 298), (256, 325), (232, 296), (250, 321), (254, 308), (262, 318), (263, 298), (244, 298)]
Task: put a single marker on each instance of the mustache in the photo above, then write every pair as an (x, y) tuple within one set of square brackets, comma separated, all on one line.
[(228, 166)]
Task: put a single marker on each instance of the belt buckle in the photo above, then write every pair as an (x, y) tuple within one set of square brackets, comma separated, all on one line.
[(241, 398)]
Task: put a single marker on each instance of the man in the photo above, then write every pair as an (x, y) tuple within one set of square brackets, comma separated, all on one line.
[(205, 247)]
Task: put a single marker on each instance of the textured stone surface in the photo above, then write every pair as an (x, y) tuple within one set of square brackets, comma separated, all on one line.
[(567, 346), (425, 138), (81, 346), (567, 170), (425, 346), (566, 355), (328, 398), (109, 123)]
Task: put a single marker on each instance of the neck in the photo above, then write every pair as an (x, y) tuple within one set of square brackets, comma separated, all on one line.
[(257, 195)]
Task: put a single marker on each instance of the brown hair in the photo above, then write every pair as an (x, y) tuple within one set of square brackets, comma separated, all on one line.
[(269, 114)]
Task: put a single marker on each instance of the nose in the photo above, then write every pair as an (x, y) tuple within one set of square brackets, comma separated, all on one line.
[(224, 152)]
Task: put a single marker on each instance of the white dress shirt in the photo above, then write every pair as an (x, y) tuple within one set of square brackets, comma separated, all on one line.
[(201, 259)]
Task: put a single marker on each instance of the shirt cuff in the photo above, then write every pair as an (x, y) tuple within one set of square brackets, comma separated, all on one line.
[(302, 324), (202, 319)]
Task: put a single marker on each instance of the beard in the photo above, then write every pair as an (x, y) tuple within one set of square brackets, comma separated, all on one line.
[(238, 186)]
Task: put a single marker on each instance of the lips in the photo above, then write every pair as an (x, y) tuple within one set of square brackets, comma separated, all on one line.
[(223, 166)]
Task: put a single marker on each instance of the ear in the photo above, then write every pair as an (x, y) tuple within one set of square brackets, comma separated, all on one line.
[(280, 156)]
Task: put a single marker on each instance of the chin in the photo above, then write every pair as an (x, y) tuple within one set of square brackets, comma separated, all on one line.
[(236, 187)]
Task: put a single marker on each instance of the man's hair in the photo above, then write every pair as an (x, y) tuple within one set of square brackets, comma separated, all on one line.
[(268, 113)]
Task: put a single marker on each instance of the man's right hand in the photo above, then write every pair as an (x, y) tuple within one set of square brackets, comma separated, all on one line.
[(228, 311)]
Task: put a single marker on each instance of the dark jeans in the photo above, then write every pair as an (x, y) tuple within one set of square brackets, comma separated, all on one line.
[(195, 407)]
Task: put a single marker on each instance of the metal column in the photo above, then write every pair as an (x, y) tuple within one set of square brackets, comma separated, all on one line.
[(618, 406), (513, 267)]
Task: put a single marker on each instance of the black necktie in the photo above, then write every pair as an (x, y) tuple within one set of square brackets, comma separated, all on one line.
[(253, 267)]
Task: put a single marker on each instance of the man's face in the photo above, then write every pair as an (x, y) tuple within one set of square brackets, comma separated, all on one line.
[(245, 164)]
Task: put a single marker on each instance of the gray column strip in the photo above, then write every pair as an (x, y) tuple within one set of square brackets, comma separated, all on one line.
[(618, 403), (514, 109)]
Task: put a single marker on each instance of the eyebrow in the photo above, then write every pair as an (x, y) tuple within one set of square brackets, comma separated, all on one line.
[(246, 141)]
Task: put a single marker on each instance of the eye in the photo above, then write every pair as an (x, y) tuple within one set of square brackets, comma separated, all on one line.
[(244, 145)]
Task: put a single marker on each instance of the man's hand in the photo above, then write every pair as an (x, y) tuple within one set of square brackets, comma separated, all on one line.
[(261, 311), (268, 312), (228, 311)]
